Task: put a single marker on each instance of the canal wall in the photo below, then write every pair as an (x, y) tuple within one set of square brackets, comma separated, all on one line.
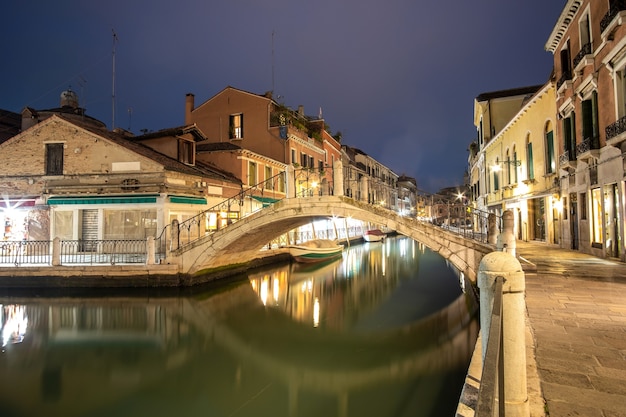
[(125, 276)]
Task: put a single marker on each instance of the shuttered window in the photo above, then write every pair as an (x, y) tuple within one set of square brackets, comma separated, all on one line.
[(54, 159)]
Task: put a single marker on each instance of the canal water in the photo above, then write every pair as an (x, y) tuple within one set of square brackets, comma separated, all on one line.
[(387, 330)]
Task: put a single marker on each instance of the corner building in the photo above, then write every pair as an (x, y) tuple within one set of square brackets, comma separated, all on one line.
[(588, 43)]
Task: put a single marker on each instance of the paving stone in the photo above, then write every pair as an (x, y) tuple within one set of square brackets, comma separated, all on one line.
[(576, 312)]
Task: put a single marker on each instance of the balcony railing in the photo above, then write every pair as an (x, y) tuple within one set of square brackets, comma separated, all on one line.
[(567, 158), (616, 128), (615, 7), (567, 75), (587, 145), (584, 51)]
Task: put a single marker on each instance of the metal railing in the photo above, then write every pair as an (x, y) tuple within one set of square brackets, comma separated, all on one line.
[(194, 228), (616, 128), (473, 225), (615, 6), (18, 252), (112, 252), (491, 393), (87, 252)]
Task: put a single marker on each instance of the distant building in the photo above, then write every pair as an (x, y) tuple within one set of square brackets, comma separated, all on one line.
[(407, 196), (10, 124), (368, 180)]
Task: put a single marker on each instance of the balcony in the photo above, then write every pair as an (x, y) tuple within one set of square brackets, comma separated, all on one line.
[(615, 7), (615, 132), (584, 51), (567, 76), (567, 160), (588, 149)]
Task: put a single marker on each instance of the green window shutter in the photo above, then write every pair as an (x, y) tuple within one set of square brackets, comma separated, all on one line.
[(530, 165)]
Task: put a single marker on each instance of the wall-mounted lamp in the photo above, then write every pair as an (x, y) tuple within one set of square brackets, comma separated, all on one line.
[(497, 167)]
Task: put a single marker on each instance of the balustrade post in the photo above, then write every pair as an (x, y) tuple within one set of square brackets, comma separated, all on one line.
[(290, 181), (175, 235), (150, 251), (338, 178), (56, 251), (502, 264), (492, 229), (506, 239)]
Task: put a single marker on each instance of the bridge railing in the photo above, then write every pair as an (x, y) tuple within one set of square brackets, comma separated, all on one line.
[(491, 393), (180, 234), (474, 225)]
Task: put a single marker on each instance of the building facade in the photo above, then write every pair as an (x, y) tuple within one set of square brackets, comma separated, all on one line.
[(83, 182), (255, 138), (521, 166), (588, 43)]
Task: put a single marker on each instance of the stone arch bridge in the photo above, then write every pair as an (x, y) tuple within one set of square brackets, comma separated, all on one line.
[(240, 242)]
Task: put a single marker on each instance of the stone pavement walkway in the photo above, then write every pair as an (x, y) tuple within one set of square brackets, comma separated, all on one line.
[(576, 307)]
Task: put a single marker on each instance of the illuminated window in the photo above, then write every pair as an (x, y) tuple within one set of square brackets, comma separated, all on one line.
[(596, 216), (269, 185), (252, 173), (236, 126)]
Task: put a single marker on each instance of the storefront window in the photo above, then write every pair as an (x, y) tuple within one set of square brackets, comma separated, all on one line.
[(63, 225), (14, 224), (129, 224), (596, 216)]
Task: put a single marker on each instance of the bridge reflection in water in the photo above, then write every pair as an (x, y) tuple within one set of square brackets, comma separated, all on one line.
[(385, 331)]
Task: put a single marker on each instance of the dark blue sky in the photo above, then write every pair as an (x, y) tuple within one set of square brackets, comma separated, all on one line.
[(396, 77)]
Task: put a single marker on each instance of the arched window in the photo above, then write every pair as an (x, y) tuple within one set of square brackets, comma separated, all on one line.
[(550, 157), (509, 168), (529, 158)]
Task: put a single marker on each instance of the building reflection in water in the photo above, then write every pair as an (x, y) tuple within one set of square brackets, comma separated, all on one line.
[(380, 330), (338, 294)]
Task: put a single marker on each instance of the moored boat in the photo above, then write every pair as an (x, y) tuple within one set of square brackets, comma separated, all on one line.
[(316, 250), (374, 235)]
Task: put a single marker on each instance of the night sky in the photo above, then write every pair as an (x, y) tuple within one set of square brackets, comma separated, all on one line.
[(396, 77)]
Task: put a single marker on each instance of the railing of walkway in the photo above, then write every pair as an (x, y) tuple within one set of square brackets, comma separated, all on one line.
[(491, 393), (74, 252)]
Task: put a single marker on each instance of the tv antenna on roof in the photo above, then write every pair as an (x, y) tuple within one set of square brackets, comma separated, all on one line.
[(113, 81)]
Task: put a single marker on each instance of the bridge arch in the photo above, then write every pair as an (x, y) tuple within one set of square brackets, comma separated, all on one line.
[(240, 242)]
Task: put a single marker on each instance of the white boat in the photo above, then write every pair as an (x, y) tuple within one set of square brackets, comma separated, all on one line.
[(316, 250), (374, 235)]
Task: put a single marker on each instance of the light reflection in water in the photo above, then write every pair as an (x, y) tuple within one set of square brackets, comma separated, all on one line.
[(343, 293), (14, 322)]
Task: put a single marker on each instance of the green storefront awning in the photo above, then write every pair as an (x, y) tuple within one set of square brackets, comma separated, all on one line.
[(53, 201), (187, 200), (266, 201)]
